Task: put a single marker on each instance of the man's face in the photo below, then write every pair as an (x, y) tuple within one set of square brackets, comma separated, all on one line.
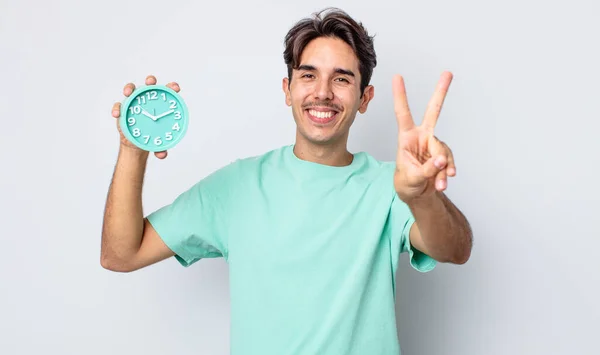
[(325, 91)]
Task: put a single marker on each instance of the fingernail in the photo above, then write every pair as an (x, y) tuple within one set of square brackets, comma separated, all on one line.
[(439, 162), (441, 184)]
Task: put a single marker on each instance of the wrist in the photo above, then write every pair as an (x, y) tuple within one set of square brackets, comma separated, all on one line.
[(135, 153), (425, 201)]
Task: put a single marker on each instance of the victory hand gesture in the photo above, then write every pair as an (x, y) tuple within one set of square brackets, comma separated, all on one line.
[(423, 163)]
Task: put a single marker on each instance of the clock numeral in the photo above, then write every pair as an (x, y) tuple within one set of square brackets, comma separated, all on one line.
[(136, 132), (131, 121), (135, 109), (146, 139), (141, 99), (157, 141), (173, 104), (168, 136), (177, 115), (152, 95), (176, 127), (164, 96)]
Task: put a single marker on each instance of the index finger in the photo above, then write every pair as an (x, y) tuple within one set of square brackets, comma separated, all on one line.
[(174, 86), (151, 80), (401, 109), (437, 101)]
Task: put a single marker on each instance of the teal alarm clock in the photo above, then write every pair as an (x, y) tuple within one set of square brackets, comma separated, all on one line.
[(154, 118)]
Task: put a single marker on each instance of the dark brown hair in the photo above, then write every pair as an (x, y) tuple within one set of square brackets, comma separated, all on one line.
[(331, 22)]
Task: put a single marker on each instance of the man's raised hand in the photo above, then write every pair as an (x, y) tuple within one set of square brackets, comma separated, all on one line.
[(423, 163), (116, 112)]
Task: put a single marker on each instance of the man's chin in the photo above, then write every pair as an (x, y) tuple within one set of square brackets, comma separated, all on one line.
[(319, 138)]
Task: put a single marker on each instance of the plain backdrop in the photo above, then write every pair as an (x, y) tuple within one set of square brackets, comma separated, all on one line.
[(521, 117)]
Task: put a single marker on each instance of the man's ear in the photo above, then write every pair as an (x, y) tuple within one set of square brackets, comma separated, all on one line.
[(368, 95), (285, 85)]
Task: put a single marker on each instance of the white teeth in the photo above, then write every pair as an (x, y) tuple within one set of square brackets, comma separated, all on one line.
[(321, 114)]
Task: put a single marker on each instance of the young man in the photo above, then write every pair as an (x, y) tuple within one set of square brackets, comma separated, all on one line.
[(312, 233)]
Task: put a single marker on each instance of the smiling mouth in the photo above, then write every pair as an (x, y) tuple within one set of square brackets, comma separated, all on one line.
[(321, 116)]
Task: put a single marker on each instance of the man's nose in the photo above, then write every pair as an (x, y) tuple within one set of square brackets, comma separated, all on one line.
[(323, 90)]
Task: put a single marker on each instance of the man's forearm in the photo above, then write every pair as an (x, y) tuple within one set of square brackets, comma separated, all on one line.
[(123, 224), (445, 231)]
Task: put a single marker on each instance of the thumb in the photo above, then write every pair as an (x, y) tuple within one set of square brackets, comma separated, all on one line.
[(433, 166), (161, 155)]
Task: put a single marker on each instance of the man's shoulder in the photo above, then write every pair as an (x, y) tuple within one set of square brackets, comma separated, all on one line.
[(236, 173), (252, 162), (272, 154), (376, 167), (249, 164)]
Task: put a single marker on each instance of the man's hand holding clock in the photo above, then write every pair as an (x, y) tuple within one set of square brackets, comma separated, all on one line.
[(153, 134)]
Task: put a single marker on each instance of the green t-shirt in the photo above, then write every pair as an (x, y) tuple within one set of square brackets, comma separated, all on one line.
[(312, 251)]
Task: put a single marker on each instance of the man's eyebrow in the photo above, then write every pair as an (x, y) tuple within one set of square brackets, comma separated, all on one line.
[(344, 71), (309, 67)]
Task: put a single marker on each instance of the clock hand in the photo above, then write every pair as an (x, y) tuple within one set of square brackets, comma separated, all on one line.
[(164, 114), (145, 113)]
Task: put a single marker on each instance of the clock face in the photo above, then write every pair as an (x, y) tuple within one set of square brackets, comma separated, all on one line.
[(154, 118)]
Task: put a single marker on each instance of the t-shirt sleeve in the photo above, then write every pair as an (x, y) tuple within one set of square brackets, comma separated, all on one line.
[(194, 224), (401, 220)]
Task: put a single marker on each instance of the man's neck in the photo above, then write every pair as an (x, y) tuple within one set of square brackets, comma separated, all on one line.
[(326, 154)]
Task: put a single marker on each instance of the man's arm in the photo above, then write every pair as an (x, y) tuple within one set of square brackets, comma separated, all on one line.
[(423, 165), (440, 229), (128, 240)]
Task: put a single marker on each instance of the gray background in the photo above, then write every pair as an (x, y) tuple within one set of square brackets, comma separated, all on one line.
[(521, 117)]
